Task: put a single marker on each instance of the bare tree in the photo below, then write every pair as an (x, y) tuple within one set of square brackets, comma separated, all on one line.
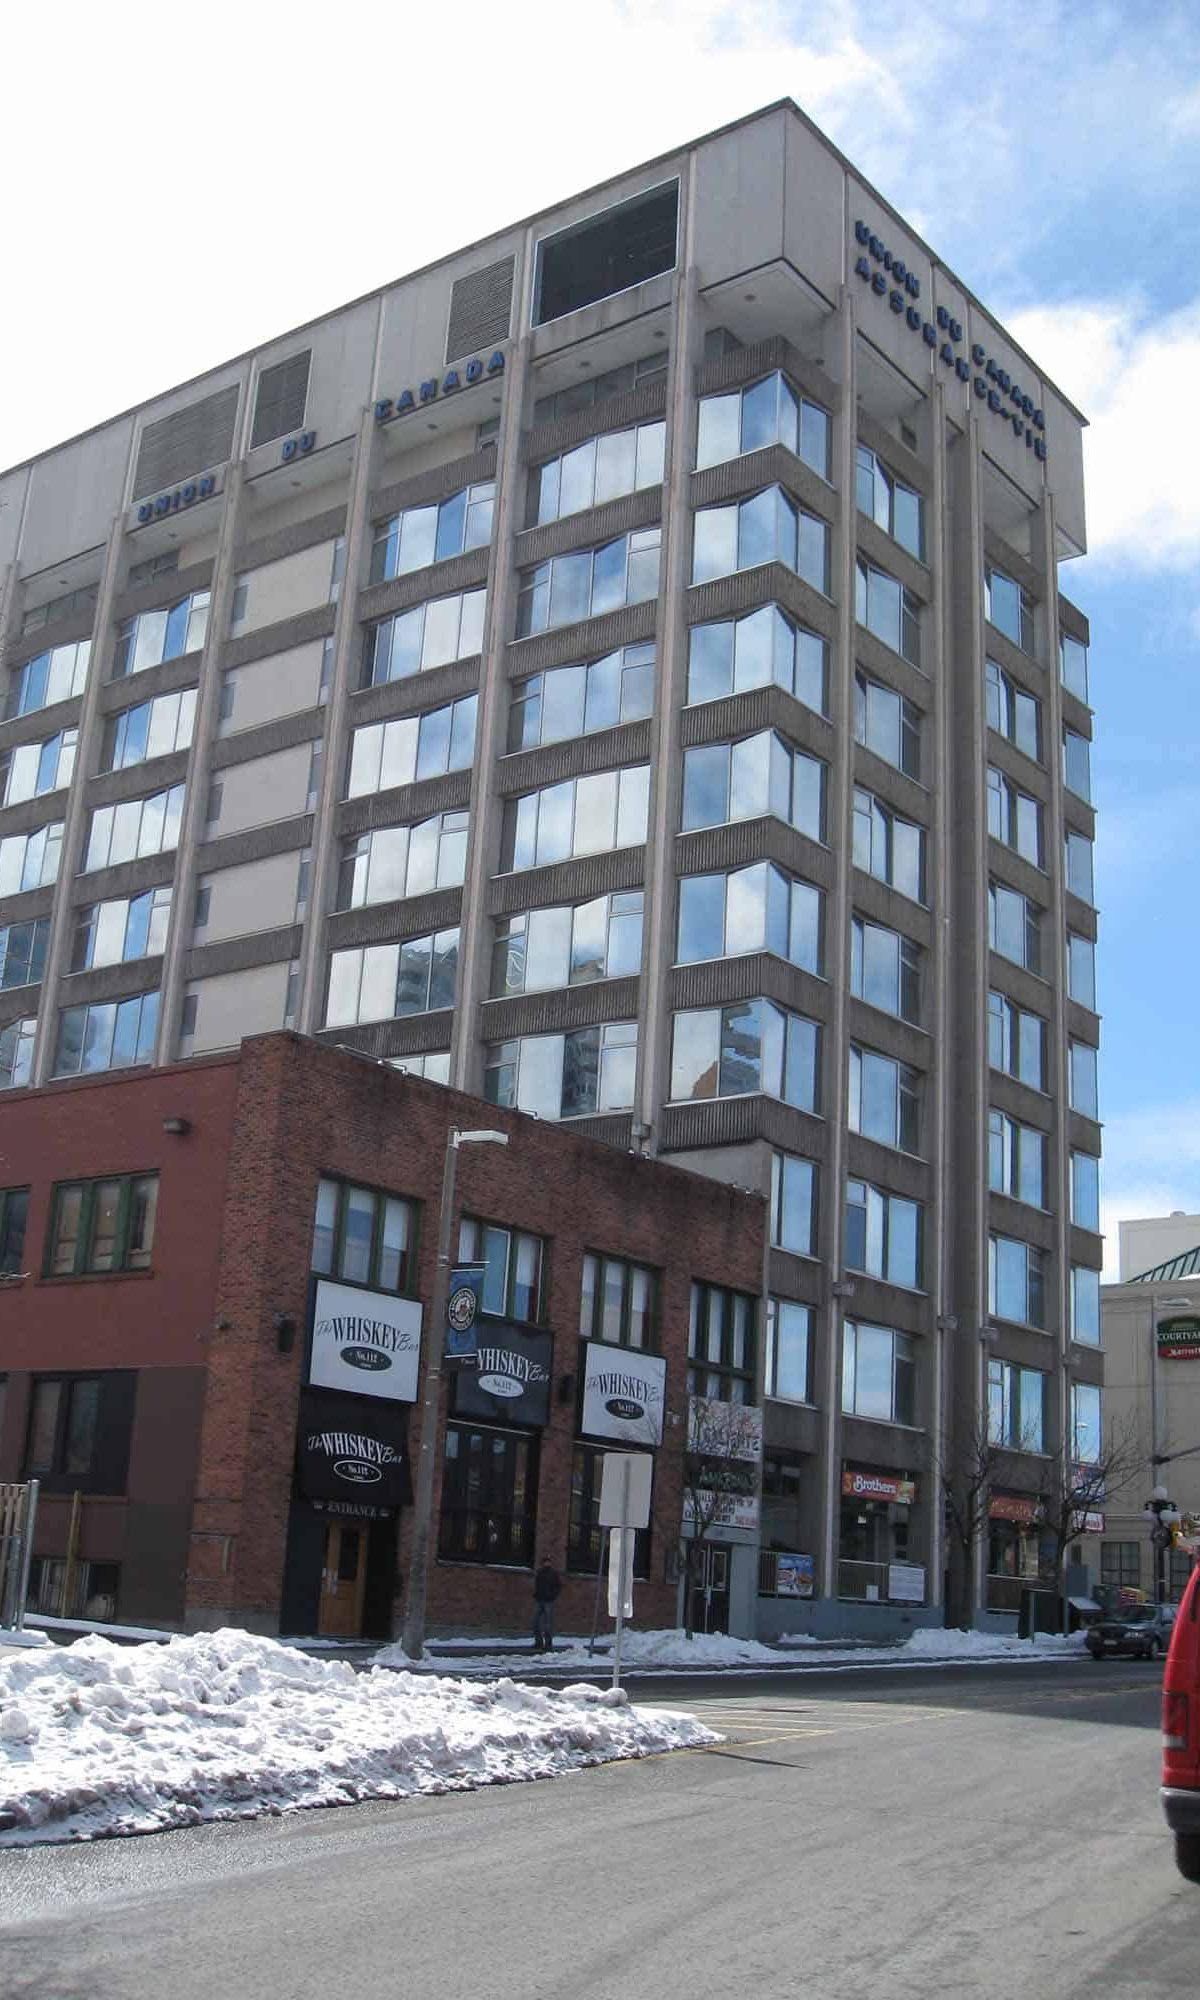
[(1072, 1490), (967, 1479), (721, 1466)]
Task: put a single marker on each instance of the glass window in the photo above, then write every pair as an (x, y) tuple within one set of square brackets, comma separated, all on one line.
[(412, 747), (879, 1373), (1086, 1422), (883, 1234), (16, 1052), (102, 1225), (887, 724), (618, 1301), (385, 982), (759, 908), (1085, 1305), (399, 861), (1013, 712), (591, 815), (1077, 764), (789, 1345), (768, 528), (1081, 970), (898, 509), (765, 647), (721, 1349), (885, 969), (55, 675), (489, 1496), (1073, 663), (1016, 1281), (1085, 1190), (154, 636), (14, 1212), (885, 1099), (588, 582), (30, 860), (427, 636), (887, 609), (422, 535), (1079, 867), (1121, 1565), (1016, 1159), (133, 828), (30, 770), (565, 1076), (1016, 1409), (1014, 817), (111, 1034), (568, 946), (128, 927), (566, 702), (23, 952), (1085, 1096), (749, 1046), (599, 469), (365, 1236), (1008, 606), (515, 1268), (151, 729), (595, 389), (1014, 927), (769, 412), (888, 847), (793, 1204), (587, 1541), (1016, 1041), (749, 779)]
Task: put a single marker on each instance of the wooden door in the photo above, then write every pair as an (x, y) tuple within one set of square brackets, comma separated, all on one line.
[(343, 1581)]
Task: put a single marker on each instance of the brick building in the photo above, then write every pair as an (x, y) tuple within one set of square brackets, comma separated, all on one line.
[(175, 1234)]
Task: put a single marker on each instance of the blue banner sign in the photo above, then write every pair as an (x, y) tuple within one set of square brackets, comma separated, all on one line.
[(462, 1310)]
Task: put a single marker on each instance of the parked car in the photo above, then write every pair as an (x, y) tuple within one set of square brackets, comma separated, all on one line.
[(1181, 1732), (1143, 1630)]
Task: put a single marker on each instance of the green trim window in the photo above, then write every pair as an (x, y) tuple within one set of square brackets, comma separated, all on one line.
[(514, 1284), (721, 1344), (102, 1226), (618, 1302), (14, 1212), (365, 1236)]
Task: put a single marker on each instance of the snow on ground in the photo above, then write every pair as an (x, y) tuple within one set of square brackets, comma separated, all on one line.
[(671, 1652), (101, 1739)]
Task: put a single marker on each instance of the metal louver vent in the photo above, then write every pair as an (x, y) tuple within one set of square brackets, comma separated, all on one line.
[(480, 309), (282, 396), (187, 441)]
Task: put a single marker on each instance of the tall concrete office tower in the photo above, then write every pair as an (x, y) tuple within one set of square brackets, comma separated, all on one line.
[(621, 669)]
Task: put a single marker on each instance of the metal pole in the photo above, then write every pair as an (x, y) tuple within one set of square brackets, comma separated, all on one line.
[(413, 1636), (31, 1506), (622, 1560)]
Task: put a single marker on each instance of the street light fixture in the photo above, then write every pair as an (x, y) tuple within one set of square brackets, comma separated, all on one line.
[(413, 1637), (1161, 1509)]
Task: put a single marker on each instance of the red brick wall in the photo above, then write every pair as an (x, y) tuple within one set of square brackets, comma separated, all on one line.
[(304, 1109)]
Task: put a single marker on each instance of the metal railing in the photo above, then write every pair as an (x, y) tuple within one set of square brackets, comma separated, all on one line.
[(1004, 1593), (18, 1517)]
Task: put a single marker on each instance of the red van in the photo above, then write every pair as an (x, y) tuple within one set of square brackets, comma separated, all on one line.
[(1181, 1732)]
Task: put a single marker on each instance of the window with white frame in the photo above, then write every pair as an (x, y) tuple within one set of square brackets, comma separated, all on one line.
[(887, 724), (23, 952), (879, 1373), (601, 468), (745, 1047), (419, 536), (1085, 1190), (1008, 606), (1014, 926), (884, 1234), (154, 636), (152, 729), (16, 1052), (889, 610), (1085, 1305), (128, 927), (30, 860), (789, 1347), (427, 636), (1014, 817), (1084, 1073), (793, 1204), (136, 826), (398, 861), (885, 1099), (1016, 1041), (768, 412), (573, 1075), (896, 508), (569, 945), (756, 776), (759, 908), (1016, 1159), (1080, 878), (767, 528), (410, 748), (29, 770), (762, 649), (1077, 764), (578, 700), (1016, 1406), (1013, 712), (514, 1275), (591, 815), (55, 675), (887, 846), (1016, 1281), (387, 982), (618, 1302), (885, 969), (110, 1034), (1073, 666), (588, 582)]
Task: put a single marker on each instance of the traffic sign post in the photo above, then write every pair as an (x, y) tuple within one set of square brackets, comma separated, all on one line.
[(624, 1508)]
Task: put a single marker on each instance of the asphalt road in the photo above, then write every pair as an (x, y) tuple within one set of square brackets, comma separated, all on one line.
[(960, 1832)]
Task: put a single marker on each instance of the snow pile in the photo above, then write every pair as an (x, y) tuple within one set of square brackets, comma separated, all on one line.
[(639, 1650), (935, 1643), (100, 1739)]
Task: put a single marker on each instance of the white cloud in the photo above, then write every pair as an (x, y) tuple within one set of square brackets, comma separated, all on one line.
[(1130, 374), (1151, 1166)]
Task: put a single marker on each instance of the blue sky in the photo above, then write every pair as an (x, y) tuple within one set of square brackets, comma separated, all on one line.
[(173, 202)]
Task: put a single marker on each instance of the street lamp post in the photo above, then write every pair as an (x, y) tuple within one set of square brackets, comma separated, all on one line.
[(1161, 1509), (413, 1636)]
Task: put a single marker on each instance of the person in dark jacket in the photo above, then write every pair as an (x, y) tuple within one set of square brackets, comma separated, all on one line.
[(546, 1586)]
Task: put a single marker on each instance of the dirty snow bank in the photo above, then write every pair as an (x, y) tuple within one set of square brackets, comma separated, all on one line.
[(101, 1739)]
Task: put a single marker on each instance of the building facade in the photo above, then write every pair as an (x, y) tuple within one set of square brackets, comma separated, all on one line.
[(620, 670), (216, 1332)]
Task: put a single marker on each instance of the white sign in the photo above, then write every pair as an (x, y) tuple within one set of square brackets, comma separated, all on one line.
[(368, 1343), (620, 1539), (621, 1505), (906, 1583), (623, 1394)]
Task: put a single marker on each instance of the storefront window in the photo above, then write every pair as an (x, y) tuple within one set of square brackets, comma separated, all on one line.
[(489, 1496), (587, 1541), (874, 1534)]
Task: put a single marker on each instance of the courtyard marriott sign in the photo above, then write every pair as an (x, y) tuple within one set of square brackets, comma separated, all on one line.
[(1178, 1339)]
